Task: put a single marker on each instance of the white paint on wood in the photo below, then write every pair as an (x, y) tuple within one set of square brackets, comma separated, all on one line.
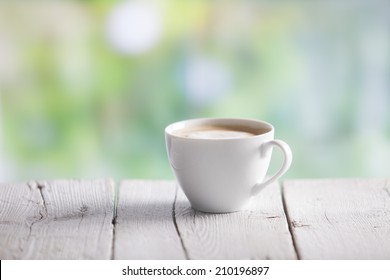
[(56, 220), (330, 219), (340, 219), (145, 227), (261, 232)]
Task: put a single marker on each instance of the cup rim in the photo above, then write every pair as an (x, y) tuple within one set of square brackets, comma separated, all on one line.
[(171, 127)]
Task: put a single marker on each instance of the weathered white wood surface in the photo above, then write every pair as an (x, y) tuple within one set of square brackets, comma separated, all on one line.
[(145, 226), (261, 232), (56, 220), (340, 219), (72, 219)]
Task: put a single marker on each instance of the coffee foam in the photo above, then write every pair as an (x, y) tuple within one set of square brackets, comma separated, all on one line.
[(213, 132)]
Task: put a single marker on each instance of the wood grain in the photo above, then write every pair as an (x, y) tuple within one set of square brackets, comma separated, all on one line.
[(58, 219), (340, 219), (145, 226), (261, 232)]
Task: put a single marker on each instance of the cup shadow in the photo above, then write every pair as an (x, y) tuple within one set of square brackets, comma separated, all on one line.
[(160, 211)]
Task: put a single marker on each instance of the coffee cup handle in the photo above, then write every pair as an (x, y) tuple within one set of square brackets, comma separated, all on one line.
[(285, 166)]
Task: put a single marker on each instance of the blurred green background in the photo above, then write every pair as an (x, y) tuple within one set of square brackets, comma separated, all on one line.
[(87, 87)]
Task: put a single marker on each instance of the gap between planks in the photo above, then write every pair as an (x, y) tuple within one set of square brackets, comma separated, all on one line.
[(294, 242), (175, 223), (113, 221)]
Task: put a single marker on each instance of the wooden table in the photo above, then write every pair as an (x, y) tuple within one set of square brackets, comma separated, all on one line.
[(305, 219)]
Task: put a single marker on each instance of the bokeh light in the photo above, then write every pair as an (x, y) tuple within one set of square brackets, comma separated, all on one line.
[(134, 27), (205, 80)]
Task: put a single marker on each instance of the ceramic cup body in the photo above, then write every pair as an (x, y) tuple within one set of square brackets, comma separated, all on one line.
[(221, 175)]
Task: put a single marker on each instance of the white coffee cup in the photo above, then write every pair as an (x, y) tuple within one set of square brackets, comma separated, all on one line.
[(220, 175)]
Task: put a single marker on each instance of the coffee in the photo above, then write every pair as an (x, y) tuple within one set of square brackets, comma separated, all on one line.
[(213, 132)]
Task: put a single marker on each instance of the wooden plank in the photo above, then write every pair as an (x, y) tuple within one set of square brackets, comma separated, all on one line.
[(261, 232), (145, 226), (56, 220), (20, 207), (340, 219)]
